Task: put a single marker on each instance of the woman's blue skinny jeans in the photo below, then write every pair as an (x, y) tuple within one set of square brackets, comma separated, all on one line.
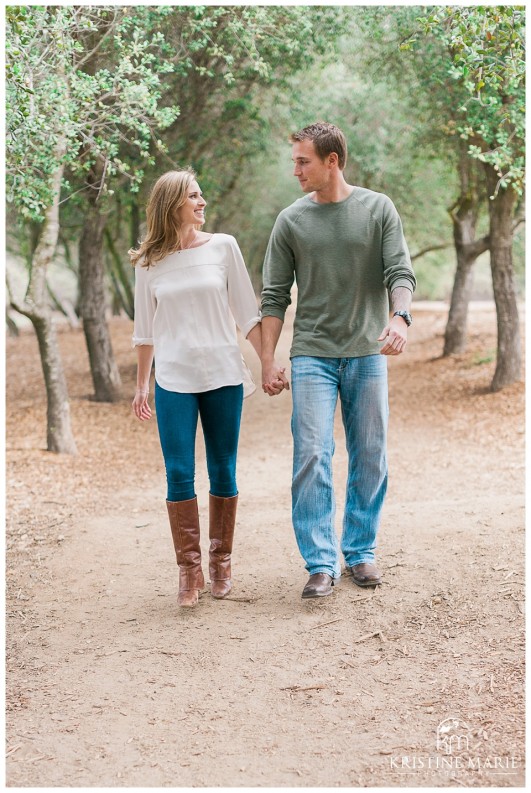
[(177, 414)]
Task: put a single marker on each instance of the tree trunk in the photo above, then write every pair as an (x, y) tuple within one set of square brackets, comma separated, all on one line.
[(509, 354), (65, 307), (134, 223), (36, 307), (59, 434), (464, 216), (12, 327), (105, 374), (123, 288), (455, 335)]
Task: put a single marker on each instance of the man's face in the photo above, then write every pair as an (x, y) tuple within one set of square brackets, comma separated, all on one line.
[(310, 170)]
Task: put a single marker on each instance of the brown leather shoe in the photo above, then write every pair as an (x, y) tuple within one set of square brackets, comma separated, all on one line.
[(319, 586), (365, 574)]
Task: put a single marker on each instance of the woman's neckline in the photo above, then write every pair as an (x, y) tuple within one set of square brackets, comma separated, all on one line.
[(194, 247)]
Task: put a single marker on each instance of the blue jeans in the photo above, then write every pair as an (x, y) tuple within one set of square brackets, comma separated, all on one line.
[(177, 415), (361, 384)]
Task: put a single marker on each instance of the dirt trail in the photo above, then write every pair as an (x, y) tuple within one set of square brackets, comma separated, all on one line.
[(110, 685)]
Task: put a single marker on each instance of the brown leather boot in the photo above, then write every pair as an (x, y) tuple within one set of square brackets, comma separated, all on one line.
[(184, 522), (221, 533)]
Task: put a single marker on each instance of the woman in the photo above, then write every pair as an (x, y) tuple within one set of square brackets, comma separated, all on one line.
[(190, 286)]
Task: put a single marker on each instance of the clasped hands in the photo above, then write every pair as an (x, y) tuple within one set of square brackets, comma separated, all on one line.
[(394, 336), (274, 381)]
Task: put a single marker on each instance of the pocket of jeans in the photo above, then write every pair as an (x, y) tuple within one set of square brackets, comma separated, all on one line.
[(305, 367), (372, 366)]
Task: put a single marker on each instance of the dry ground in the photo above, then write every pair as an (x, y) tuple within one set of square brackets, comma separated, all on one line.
[(110, 685)]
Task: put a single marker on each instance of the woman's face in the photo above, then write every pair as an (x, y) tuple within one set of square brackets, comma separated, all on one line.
[(192, 212)]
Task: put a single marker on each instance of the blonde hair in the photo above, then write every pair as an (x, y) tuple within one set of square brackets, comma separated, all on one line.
[(163, 228)]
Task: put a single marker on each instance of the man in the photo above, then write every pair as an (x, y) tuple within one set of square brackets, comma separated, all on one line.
[(345, 247)]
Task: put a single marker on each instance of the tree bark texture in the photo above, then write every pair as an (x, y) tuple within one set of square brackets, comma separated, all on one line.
[(464, 216), (134, 219), (36, 307), (509, 353), (59, 433), (105, 374), (123, 286)]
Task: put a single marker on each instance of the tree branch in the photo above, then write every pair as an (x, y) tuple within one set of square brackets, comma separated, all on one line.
[(438, 247), (21, 307), (519, 217), (476, 248), (93, 51), (518, 223)]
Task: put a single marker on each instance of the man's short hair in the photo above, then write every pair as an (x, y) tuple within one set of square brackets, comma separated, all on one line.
[(327, 138)]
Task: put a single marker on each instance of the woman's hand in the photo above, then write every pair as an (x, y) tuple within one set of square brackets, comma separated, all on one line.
[(140, 405)]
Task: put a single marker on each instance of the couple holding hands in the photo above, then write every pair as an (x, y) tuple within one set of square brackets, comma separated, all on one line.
[(344, 246)]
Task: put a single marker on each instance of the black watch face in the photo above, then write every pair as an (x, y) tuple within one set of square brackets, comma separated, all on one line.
[(405, 315)]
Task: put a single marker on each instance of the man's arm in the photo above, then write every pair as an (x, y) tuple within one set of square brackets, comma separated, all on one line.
[(278, 279), (399, 278), (271, 371), (395, 332)]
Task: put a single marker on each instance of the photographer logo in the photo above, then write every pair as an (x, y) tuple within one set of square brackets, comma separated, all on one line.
[(457, 750)]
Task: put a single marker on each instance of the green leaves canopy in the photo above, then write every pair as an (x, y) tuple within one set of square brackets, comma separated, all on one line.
[(52, 90), (101, 75), (486, 47)]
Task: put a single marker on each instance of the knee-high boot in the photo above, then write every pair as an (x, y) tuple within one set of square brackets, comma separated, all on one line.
[(222, 519), (184, 522)]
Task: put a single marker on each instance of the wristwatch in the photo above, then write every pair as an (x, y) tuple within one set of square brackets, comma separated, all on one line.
[(406, 316)]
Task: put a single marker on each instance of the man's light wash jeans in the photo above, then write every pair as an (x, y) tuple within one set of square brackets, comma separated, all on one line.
[(361, 384)]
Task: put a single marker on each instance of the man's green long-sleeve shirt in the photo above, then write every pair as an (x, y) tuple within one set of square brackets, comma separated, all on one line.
[(346, 257)]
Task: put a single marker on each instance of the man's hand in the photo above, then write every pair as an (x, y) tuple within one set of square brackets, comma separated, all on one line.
[(395, 336), (273, 379)]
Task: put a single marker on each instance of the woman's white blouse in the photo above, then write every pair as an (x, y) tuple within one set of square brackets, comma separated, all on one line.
[(186, 305)]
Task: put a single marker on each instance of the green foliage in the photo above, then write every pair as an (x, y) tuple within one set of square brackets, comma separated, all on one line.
[(254, 42), (231, 70), (143, 89), (91, 73), (482, 358), (109, 78), (233, 65), (486, 55), (36, 101)]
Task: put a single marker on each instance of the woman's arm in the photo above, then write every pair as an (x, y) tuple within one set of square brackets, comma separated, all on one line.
[(140, 405), (277, 383), (255, 337), (242, 302)]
